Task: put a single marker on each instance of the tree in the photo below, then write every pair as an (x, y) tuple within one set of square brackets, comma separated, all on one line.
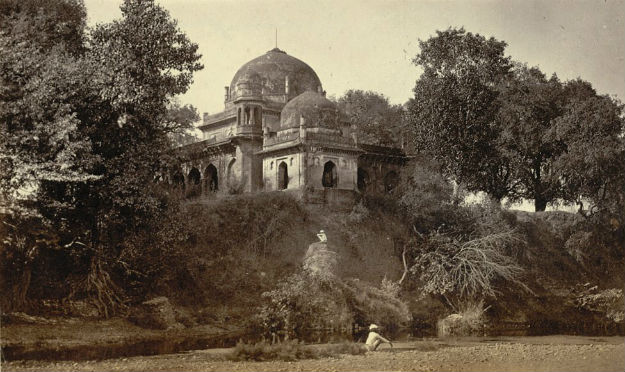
[(592, 164), (180, 119), (506, 129), (455, 105), (142, 61), (529, 104), (41, 145), (85, 132), (377, 121)]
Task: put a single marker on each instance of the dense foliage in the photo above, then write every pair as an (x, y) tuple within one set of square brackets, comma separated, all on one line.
[(85, 118), (508, 130), (376, 120)]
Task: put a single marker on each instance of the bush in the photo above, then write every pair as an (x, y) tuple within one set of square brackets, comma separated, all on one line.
[(291, 351), (307, 300), (469, 322), (609, 303), (461, 270), (184, 253), (359, 213)]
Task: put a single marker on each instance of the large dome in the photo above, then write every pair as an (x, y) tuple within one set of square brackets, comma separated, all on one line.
[(270, 72)]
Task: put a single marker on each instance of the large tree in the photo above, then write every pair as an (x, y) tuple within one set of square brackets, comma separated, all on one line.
[(41, 144), (86, 125), (528, 105), (591, 167), (455, 105), (377, 121)]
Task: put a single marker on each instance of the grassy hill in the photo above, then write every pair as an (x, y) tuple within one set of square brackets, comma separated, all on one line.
[(245, 245)]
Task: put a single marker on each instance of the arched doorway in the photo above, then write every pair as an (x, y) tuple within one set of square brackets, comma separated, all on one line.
[(329, 178), (194, 177), (283, 176), (363, 179), (178, 179), (391, 180), (195, 187), (211, 178)]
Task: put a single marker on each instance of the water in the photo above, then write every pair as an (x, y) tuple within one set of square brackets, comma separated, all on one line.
[(168, 344)]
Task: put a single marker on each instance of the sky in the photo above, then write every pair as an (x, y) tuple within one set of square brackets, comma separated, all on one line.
[(370, 45)]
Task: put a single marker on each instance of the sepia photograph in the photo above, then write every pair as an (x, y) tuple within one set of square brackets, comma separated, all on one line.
[(292, 185)]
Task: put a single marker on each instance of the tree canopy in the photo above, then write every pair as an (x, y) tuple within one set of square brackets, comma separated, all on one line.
[(377, 121), (501, 127), (85, 118), (455, 104)]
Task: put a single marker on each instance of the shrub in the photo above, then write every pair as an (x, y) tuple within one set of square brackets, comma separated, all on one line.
[(373, 305), (359, 213), (307, 300), (469, 322), (609, 303), (236, 186), (460, 270)]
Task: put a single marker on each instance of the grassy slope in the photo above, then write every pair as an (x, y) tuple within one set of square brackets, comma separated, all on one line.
[(266, 236)]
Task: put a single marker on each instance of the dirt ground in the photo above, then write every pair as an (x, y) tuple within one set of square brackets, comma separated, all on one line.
[(550, 353)]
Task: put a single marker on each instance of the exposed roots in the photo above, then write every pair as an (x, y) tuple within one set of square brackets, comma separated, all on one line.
[(101, 290)]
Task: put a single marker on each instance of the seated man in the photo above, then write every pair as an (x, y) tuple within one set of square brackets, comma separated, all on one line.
[(374, 339), (322, 236)]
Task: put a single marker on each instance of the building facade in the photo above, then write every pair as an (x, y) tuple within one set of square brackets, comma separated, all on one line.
[(278, 131)]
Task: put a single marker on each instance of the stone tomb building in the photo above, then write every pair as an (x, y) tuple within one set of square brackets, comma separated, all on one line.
[(278, 131)]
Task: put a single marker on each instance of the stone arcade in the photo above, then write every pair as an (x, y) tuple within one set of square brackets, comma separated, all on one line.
[(278, 131)]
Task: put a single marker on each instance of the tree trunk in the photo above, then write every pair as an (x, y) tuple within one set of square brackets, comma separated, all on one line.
[(540, 204)]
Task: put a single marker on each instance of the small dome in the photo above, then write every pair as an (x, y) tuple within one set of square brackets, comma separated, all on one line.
[(249, 84), (313, 108), (272, 70)]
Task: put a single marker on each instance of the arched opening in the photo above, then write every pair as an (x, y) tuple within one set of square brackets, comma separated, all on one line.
[(283, 176), (194, 176), (391, 180), (329, 178), (178, 179), (363, 180), (212, 181), (194, 181), (246, 116)]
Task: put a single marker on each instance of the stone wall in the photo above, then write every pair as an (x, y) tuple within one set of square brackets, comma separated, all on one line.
[(294, 169)]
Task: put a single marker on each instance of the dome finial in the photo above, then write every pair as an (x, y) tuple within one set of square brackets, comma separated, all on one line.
[(276, 38)]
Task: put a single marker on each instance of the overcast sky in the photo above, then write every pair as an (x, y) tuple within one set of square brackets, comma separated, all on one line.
[(369, 44)]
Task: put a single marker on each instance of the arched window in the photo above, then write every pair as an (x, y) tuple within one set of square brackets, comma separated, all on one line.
[(212, 181), (283, 176), (194, 176), (330, 178), (391, 180), (363, 179), (178, 179)]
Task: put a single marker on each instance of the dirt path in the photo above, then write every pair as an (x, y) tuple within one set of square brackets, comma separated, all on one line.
[(554, 353)]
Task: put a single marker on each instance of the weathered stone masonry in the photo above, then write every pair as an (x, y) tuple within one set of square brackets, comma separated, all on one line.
[(279, 132)]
